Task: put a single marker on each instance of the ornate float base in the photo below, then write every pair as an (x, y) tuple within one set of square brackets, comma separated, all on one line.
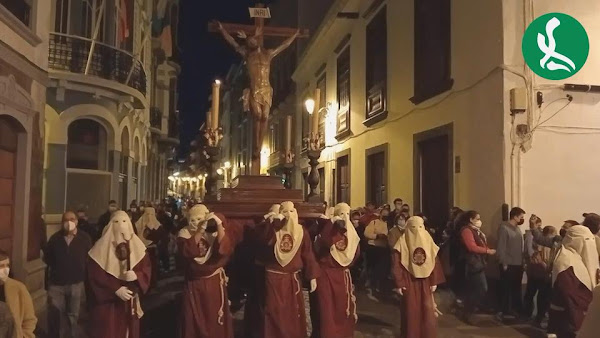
[(252, 196)]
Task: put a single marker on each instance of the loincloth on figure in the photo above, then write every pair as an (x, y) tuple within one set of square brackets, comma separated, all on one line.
[(263, 96)]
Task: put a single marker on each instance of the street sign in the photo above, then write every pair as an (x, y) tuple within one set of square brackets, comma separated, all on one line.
[(258, 12)]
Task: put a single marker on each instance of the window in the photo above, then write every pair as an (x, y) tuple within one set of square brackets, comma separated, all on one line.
[(432, 49), (21, 9), (343, 180), (321, 188), (90, 10), (343, 94), (376, 175), (61, 21), (322, 85), (305, 125), (86, 148), (376, 68)]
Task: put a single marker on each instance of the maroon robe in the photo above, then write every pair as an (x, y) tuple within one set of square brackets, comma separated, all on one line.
[(110, 316), (570, 301), (205, 305), (418, 317), (337, 303), (284, 315)]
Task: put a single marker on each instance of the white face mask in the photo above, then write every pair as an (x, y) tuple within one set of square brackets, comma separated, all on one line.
[(477, 224), (112, 209), (133, 209), (355, 222), (69, 226), (401, 224), (4, 274)]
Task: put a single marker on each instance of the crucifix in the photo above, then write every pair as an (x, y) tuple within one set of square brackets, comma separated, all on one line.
[(258, 98)]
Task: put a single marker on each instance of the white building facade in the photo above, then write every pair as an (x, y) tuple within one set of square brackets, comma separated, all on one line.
[(111, 104), (419, 108), (24, 27)]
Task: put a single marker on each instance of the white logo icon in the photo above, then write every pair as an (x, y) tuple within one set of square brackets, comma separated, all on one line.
[(549, 49)]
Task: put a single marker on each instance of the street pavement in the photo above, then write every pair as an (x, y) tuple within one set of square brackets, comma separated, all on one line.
[(377, 319)]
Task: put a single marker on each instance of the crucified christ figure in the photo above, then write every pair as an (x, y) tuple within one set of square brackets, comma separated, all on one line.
[(260, 94)]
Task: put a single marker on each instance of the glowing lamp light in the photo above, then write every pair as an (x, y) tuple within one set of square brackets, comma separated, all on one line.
[(220, 171), (176, 174), (227, 165), (310, 105), (218, 82)]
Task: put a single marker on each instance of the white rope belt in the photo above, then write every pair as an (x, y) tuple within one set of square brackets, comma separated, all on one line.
[(223, 279), (351, 298), (295, 274)]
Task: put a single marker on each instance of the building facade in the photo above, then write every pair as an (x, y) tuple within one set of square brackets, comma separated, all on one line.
[(24, 27), (417, 98), (111, 116)]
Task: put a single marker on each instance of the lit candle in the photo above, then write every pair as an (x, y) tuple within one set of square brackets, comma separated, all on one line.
[(315, 115), (215, 105), (288, 133)]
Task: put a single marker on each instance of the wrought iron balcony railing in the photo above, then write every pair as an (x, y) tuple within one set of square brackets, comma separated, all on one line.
[(70, 53), (155, 118), (19, 8)]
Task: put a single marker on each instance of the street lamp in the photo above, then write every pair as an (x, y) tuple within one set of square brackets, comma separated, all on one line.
[(310, 105)]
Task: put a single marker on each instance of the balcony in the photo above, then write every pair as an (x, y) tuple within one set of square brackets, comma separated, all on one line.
[(69, 53), (172, 137), (19, 8), (155, 120)]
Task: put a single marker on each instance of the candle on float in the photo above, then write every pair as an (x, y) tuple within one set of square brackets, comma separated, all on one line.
[(215, 104), (288, 133), (315, 114)]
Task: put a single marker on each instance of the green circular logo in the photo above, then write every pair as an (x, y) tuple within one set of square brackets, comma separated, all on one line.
[(555, 46)]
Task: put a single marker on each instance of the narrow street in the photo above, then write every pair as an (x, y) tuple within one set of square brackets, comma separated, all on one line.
[(376, 319)]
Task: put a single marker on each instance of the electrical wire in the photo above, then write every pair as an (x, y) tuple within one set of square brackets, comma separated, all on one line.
[(448, 95), (548, 119), (546, 107)]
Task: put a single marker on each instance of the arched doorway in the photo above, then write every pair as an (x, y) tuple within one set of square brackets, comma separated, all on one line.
[(9, 142), (88, 181)]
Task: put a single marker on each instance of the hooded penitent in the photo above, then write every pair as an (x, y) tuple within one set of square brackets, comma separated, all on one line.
[(417, 249), (148, 220), (107, 250), (289, 238), (198, 218), (344, 251), (578, 251)]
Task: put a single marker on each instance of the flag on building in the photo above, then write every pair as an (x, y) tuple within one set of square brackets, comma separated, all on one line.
[(161, 26), (123, 22)]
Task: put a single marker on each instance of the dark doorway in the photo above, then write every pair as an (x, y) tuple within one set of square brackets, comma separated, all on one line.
[(343, 180), (8, 176), (376, 175), (434, 178)]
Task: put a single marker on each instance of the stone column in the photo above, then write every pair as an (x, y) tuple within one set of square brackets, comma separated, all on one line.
[(114, 158)]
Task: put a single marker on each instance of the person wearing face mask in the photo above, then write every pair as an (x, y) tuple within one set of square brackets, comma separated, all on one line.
[(105, 218), (84, 225), (18, 300), (475, 252), (65, 256), (417, 272), (338, 243), (378, 262), (290, 254), (205, 248), (397, 230), (510, 256), (134, 212), (118, 274)]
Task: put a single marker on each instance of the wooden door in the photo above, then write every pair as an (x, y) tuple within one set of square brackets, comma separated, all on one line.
[(376, 178), (434, 179), (8, 173), (343, 180)]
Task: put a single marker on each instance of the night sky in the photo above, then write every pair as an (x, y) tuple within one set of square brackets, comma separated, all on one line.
[(204, 57)]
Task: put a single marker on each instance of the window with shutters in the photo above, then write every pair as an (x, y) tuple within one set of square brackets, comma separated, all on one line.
[(343, 94), (432, 68), (376, 177), (322, 85), (343, 179), (376, 69)]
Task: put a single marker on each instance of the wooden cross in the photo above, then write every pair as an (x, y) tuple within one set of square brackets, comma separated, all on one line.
[(259, 23)]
